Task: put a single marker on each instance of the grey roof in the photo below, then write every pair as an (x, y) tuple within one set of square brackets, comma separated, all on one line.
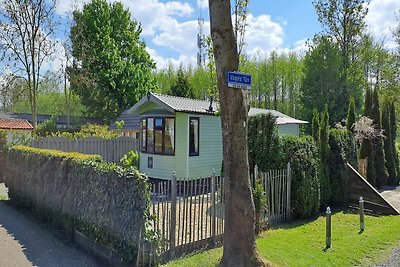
[(131, 122), (175, 103), (280, 117)]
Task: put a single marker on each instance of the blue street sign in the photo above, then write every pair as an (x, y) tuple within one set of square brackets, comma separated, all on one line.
[(239, 80)]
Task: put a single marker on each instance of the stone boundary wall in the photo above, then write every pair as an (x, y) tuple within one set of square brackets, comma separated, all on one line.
[(101, 200)]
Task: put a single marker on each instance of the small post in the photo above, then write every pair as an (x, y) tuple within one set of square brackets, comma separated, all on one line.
[(214, 210), (362, 225), (328, 227), (255, 176), (173, 216), (288, 192)]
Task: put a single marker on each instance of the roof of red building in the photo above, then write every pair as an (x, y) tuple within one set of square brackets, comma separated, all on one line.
[(15, 124)]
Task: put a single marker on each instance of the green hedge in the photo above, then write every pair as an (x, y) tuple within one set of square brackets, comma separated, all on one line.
[(3, 151), (268, 150), (342, 150), (74, 191), (302, 153)]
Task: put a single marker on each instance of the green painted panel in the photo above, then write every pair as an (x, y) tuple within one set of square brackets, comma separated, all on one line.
[(210, 149), (289, 129)]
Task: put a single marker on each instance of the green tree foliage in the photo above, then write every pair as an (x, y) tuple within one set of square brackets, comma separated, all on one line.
[(112, 68), (264, 142), (302, 153), (321, 82), (344, 22), (342, 149), (393, 129), (366, 149), (268, 150), (379, 154), (315, 125), (389, 144), (181, 86), (324, 156), (52, 103), (351, 115)]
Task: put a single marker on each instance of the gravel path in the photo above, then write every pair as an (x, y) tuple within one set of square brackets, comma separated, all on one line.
[(394, 259), (25, 243)]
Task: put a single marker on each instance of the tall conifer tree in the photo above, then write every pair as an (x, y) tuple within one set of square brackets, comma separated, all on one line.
[(379, 154)]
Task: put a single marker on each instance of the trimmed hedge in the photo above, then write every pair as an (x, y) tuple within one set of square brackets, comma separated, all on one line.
[(302, 153), (269, 151), (342, 150), (74, 191), (3, 153)]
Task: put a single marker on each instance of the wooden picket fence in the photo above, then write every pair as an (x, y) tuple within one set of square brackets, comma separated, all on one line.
[(277, 186), (111, 150), (189, 214)]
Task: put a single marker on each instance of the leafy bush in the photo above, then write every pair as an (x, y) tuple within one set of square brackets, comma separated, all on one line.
[(104, 201), (87, 130), (264, 143), (46, 128), (302, 154), (342, 150), (3, 151), (260, 204), (268, 150), (130, 160)]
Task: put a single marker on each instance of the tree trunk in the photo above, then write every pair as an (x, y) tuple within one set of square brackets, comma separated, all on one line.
[(239, 238)]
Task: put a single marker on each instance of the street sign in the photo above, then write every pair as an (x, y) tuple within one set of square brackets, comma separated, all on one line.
[(239, 80)]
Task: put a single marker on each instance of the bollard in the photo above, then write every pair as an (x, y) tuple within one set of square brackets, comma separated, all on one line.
[(328, 227), (362, 225)]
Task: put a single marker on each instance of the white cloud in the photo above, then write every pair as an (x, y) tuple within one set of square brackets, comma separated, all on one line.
[(203, 4), (262, 35), (381, 19)]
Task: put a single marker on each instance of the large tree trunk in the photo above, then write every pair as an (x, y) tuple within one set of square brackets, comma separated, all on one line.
[(239, 238)]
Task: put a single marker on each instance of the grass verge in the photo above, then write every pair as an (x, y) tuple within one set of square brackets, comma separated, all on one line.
[(303, 243)]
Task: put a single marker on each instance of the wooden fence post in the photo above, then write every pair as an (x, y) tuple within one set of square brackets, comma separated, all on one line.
[(288, 190), (214, 209), (255, 176), (173, 216)]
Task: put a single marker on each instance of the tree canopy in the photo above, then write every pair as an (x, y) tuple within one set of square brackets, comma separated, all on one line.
[(112, 69)]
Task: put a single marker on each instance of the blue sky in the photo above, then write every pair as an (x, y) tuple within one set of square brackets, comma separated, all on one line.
[(170, 27)]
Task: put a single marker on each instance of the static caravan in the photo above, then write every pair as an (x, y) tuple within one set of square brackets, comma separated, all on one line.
[(178, 134), (184, 135)]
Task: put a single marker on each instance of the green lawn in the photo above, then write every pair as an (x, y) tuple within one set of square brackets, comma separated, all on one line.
[(303, 243)]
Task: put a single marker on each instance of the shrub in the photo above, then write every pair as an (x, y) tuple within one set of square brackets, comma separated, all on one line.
[(102, 200), (130, 160), (3, 151), (268, 150), (46, 128), (264, 143), (342, 150), (260, 204), (302, 154)]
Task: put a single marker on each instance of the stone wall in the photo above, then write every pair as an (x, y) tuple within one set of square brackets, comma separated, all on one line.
[(103, 201)]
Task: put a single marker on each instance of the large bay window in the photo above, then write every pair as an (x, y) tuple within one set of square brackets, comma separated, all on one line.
[(158, 135)]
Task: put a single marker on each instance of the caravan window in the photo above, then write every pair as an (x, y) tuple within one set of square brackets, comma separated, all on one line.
[(158, 135), (193, 136)]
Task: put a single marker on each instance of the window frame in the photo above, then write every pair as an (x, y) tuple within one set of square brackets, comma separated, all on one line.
[(144, 149), (194, 154)]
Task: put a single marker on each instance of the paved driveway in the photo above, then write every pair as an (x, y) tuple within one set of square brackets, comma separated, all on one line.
[(392, 195), (25, 243)]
